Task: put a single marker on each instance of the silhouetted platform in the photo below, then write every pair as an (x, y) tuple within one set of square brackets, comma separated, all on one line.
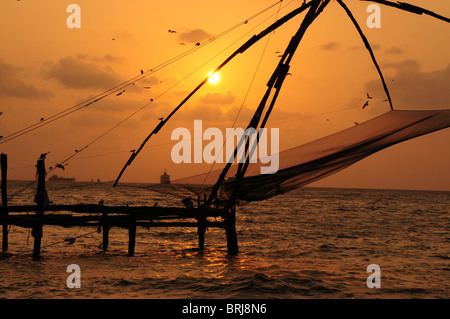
[(105, 217)]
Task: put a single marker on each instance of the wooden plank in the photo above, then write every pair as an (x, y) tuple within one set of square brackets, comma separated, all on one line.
[(28, 221), (137, 210)]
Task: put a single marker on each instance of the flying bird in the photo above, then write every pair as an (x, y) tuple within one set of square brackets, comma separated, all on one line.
[(60, 166), (368, 96), (1, 113), (161, 118), (182, 43), (365, 104), (172, 31), (197, 44), (147, 87)]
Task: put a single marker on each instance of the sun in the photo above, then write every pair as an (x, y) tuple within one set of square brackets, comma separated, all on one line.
[(213, 77)]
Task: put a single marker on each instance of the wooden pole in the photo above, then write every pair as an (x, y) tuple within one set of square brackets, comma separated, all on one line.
[(131, 235), (4, 167), (230, 228), (201, 229), (41, 200), (105, 231)]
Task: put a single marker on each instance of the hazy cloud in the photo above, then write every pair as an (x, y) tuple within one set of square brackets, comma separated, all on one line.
[(330, 46), (218, 116), (402, 65), (149, 80), (394, 50), (12, 85), (218, 98), (374, 46), (412, 88), (194, 36), (79, 74), (95, 119), (107, 58)]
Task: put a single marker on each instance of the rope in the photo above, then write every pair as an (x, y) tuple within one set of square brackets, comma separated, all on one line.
[(245, 97), (123, 85), (52, 244)]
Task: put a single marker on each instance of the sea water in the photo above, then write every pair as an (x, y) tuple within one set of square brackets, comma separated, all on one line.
[(309, 243)]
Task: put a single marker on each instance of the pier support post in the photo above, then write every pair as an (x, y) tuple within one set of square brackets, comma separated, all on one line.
[(131, 235), (230, 228), (4, 167), (105, 227), (201, 229), (42, 200)]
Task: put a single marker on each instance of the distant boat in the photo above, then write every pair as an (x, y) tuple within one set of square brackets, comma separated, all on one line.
[(165, 179), (56, 178)]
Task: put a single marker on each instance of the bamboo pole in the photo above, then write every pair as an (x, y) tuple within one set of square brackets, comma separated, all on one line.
[(4, 167), (230, 229), (41, 200), (201, 229), (131, 235), (105, 231)]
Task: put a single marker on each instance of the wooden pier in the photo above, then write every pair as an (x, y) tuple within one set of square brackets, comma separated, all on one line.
[(105, 217)]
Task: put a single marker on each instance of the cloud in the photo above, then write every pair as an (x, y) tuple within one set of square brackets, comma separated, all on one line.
[(97, 120), (107, 58), (149, 80), (194, 36), (216, 116), (394, 50), (330, 46), (374, 46), (218, 98), (119, 104), (12, 85), (79, 74), (402, 66), (411, 88)]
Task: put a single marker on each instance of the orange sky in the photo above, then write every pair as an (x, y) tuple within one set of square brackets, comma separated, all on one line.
[(45, 68)]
